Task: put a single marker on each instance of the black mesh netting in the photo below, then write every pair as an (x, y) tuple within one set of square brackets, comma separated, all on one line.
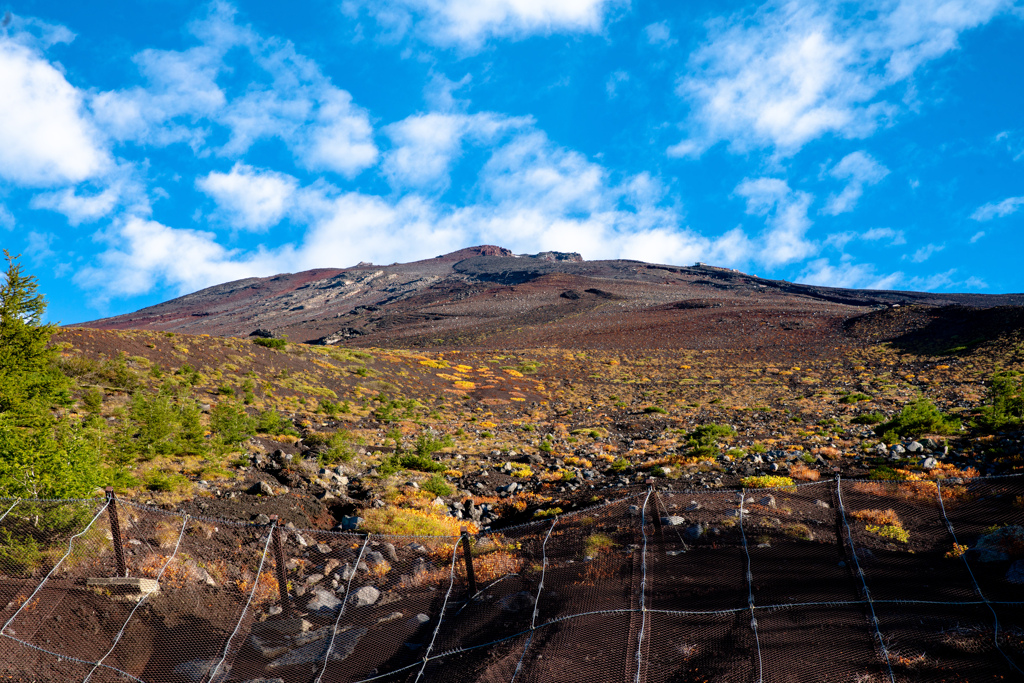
[(837, 581)]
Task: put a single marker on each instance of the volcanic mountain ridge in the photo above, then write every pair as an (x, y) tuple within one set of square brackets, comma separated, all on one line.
[(488, 297)]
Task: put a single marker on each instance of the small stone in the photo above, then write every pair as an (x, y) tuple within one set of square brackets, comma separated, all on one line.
[(391, 617), (694, 532), (767, 501), (822, 504), (262, 519), (365, 596), (323, 548), (673, 520), (930, 463), (389, 549), (419, 620), (314, 578), (915, 447), (897, 449)]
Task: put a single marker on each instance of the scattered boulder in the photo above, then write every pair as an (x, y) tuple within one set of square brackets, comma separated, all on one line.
[(767, 501), (996, 546), (197, 670), (364, 597), (344, 644), (260, 488), (930, 463)]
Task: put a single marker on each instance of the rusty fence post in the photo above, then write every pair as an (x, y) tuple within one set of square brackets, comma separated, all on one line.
[(282, 573), (115, 531), (657, 510), (470, 574)]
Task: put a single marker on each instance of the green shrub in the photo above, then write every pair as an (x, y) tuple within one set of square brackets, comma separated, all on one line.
[(619, 465), (1004, 406), (339, 449), (869, 418), (271, 343), (225, 390), (427, 444), (157, 480), (657, 410), (231, 423), (437, 485), (92, 400), (854, 398), (709, 435), (917, 418), (272, 422)]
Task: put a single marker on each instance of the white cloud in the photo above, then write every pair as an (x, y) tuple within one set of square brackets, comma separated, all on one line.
[(786, 217), (659, 34), (143, 254), (977, 236), (288, 98), (7, 221), (987, 212), (469, 23), (796, 71), (250, 198), (926, 252), (425, 145), (975, 283), (937, 281), (846, 274), (858, 169), (615, 79), (78, 208), (45, 136), (895, 237)]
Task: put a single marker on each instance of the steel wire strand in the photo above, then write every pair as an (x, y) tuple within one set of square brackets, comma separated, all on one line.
[(863, 581), (440, 616), (643, 588), (71, 544), (145, 596), (241, 617), (536, 602), (4, 516), (750, 591), (341, 612), (977, 588)]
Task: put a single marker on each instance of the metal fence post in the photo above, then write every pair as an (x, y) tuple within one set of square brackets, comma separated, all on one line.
[(115, 531), (470, 574), (657, 509), (282, 573)]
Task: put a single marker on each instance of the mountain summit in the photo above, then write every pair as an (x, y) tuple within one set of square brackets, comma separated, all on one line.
[(488, 296)]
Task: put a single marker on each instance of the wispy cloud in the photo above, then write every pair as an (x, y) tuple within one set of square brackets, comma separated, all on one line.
[(926, 252), (468, 24), (858, 169), (785, 213), (659, 34), (1006, 207), (796, 71)]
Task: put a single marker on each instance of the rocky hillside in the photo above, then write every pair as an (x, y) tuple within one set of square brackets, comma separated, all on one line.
[(487, 297)]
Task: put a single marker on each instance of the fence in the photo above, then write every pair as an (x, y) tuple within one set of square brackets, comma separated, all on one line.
[(833, 580)]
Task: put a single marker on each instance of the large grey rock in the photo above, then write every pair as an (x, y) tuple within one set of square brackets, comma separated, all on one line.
[(915, 447), (323, 600), (1015, 574), (365, 596), (930, 463), (994, 547), (767, 501), (196, 670), (344, 644)]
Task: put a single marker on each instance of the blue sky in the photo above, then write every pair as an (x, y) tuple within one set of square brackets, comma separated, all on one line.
[(150, 149)]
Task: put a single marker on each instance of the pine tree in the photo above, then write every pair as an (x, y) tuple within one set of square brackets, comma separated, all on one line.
[(29, 382)]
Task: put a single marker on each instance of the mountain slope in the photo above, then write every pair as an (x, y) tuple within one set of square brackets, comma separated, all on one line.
[(487, 297)]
